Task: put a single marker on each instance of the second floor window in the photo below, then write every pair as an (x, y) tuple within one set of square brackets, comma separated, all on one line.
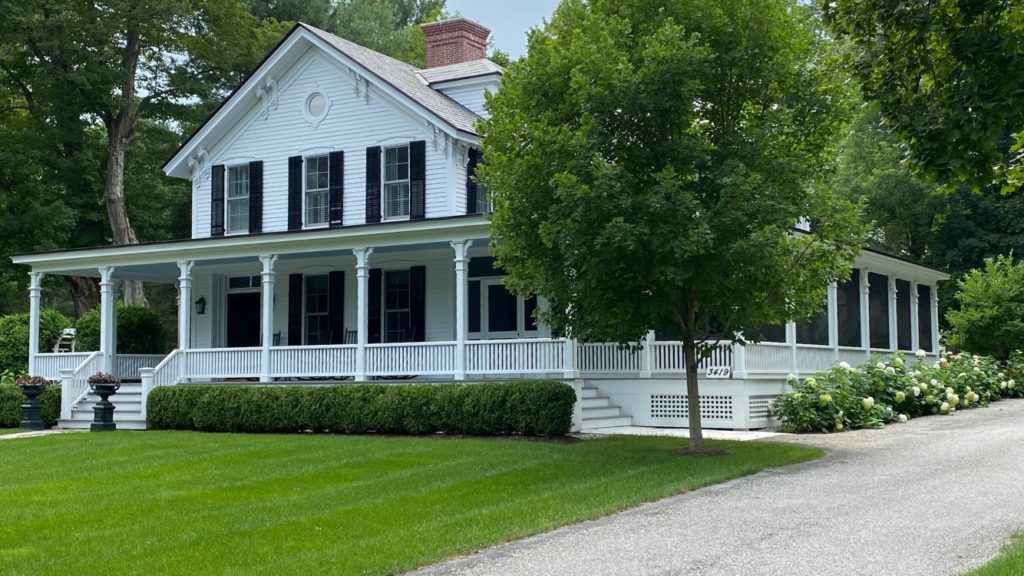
[(237, 215), (317, 208), (396, 182)]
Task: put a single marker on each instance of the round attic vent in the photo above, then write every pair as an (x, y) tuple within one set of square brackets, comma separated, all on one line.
[(316, 105)]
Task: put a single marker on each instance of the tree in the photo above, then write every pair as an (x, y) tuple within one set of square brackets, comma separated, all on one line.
[(648, 160), (83, 66), (946, 75), (990, 318)]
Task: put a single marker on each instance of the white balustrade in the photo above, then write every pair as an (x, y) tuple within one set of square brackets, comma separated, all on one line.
[(608, 357), (852, 356), (128, 365), (811, 358), (222, 363), (769, 357), (311, 361), (410, 359), (74, 383), (49, 365), (669, 357), (527, 356)]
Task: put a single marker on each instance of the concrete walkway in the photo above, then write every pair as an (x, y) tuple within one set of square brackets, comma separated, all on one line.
[(936, 496)]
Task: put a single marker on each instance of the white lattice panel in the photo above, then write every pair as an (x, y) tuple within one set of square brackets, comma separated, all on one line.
[(712, 407), (758, 406)]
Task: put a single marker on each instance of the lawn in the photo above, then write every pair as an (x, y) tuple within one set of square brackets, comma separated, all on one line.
[(1009, 563), (10, 431), (172, 503)]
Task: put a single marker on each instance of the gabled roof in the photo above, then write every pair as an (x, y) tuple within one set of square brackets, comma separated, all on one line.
[(393, 76), (471, 69)]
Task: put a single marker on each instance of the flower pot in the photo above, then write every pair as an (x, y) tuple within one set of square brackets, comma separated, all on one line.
[(103, 411), (32, 410)]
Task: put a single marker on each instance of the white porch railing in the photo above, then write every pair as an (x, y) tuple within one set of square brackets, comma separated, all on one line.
[(166, 373), (74, 383), (128, 365), (527, 356), (669, 357), (311, 361), (608, 357), (410, 359), (221, 363), (49, 365)]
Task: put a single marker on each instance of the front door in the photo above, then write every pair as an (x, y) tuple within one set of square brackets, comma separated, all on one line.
[(503, 314), (243, 319)]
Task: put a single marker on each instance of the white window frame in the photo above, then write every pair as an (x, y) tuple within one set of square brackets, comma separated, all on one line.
[(384, 183), (228, 199), (306, 191), (305, 306)]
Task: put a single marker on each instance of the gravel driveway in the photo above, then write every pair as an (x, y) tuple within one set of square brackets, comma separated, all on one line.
[(936, 496)]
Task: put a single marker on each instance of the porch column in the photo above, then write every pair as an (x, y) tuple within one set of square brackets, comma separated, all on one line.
[(461, 248), (934, 291), (569, 370), (833, 320), (362, 304), (184, 304), (894, 342), (35, 292), (915, 326), (647, 355), (108, 318), (267, 277), (791, 340), (865, 314)]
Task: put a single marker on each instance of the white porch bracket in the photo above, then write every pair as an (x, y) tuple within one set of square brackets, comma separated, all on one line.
[(461, 248), (267, 278), (35, 292), (362, 309), (108, 318), (865, 314), (184, 308)]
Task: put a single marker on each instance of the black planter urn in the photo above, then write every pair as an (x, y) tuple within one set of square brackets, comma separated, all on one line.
[(32, 410), (103, 411)]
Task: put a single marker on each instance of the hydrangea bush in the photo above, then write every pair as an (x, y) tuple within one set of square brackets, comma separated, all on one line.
[(883, 391)]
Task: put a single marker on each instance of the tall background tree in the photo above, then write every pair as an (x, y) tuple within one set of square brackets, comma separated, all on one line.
[(648, 160)]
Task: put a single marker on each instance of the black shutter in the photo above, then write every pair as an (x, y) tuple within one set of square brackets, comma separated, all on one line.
[(256, 197), (471, 182), (417, 303), (336, 187), (295, 310), (373, 187), (417, 180), (336, 306), (217, 200), (374, 302), (295, 193)]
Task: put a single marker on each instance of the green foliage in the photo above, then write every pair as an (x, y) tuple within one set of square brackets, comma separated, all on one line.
[(881, 392), (11, 400), (527, 407), (139, 331), (989, 318), (946, 76), (14, 337)]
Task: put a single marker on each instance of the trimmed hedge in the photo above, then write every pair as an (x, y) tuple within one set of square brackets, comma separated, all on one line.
[(139, 331), (14, 337), (539, 407), (11, 400)]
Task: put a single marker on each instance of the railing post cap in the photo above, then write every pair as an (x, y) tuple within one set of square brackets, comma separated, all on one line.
[(146, 371), (67, 372)]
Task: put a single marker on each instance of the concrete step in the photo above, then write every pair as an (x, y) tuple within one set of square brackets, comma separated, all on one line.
[(608, 422), (598, 402), (595, 413), (588, 392), (84, 424)]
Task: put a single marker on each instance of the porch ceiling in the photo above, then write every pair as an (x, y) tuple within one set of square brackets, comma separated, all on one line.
[(157, 261)]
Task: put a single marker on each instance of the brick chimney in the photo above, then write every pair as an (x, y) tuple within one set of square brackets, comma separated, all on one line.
[(455, 41)]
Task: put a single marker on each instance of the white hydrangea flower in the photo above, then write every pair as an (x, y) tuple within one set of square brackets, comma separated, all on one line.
[(944, 408), (903, 418), (976, 369), (791, 378), (934, 382), (916, 391), (845, 366), (1003, 384), (890, 371), (949, 391), (900, 396), (924, 386), (868, 403), (898, 362), (810, 381), (1000, 375), (920, 353), (880, 365), (1010, 383)]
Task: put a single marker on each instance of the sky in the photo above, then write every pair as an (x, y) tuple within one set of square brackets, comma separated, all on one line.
[(508, 19)]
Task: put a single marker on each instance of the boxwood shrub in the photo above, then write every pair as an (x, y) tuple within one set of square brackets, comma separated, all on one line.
[(538, 407), (11, 400)]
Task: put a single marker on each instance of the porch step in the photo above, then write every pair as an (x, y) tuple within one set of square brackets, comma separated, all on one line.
[(599, 412), (127, 410), (596, 402), (617, 422), (586, 392), (84, 424)]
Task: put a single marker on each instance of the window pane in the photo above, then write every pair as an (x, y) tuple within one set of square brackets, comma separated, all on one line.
[(529, 305), (474, 306), (848, 312), (238, 181), (238, 215), (814, 330), (924, 317), (903, 315), (501, 309), (396, 200), (878, 310), (772, 332), (238, 282)]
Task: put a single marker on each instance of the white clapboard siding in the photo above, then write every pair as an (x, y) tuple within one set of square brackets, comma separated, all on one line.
[(471, 96), (352, 124)]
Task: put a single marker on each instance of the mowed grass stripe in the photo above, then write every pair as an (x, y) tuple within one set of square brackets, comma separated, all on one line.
[(191, 503)]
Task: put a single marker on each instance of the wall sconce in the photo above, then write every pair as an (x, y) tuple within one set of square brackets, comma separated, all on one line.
[(201, 305)]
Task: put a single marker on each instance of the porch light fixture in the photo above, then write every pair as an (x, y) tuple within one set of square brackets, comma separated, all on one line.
[(201, 305)]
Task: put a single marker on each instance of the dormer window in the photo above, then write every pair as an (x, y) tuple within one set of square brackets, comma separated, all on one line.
[(318, 211), (237, 213), (396, 182)]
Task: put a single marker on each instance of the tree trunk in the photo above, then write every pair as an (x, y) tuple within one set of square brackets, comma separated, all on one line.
[(692, 394), (113, 196), (83, 294)]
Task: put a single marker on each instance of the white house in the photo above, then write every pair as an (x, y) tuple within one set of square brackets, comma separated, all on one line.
[(338, 234)]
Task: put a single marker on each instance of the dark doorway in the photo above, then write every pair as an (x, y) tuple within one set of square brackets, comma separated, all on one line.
[(244, 320)]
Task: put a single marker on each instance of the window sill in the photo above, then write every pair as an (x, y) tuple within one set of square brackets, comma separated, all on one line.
[(396, 219), (317, 226)]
